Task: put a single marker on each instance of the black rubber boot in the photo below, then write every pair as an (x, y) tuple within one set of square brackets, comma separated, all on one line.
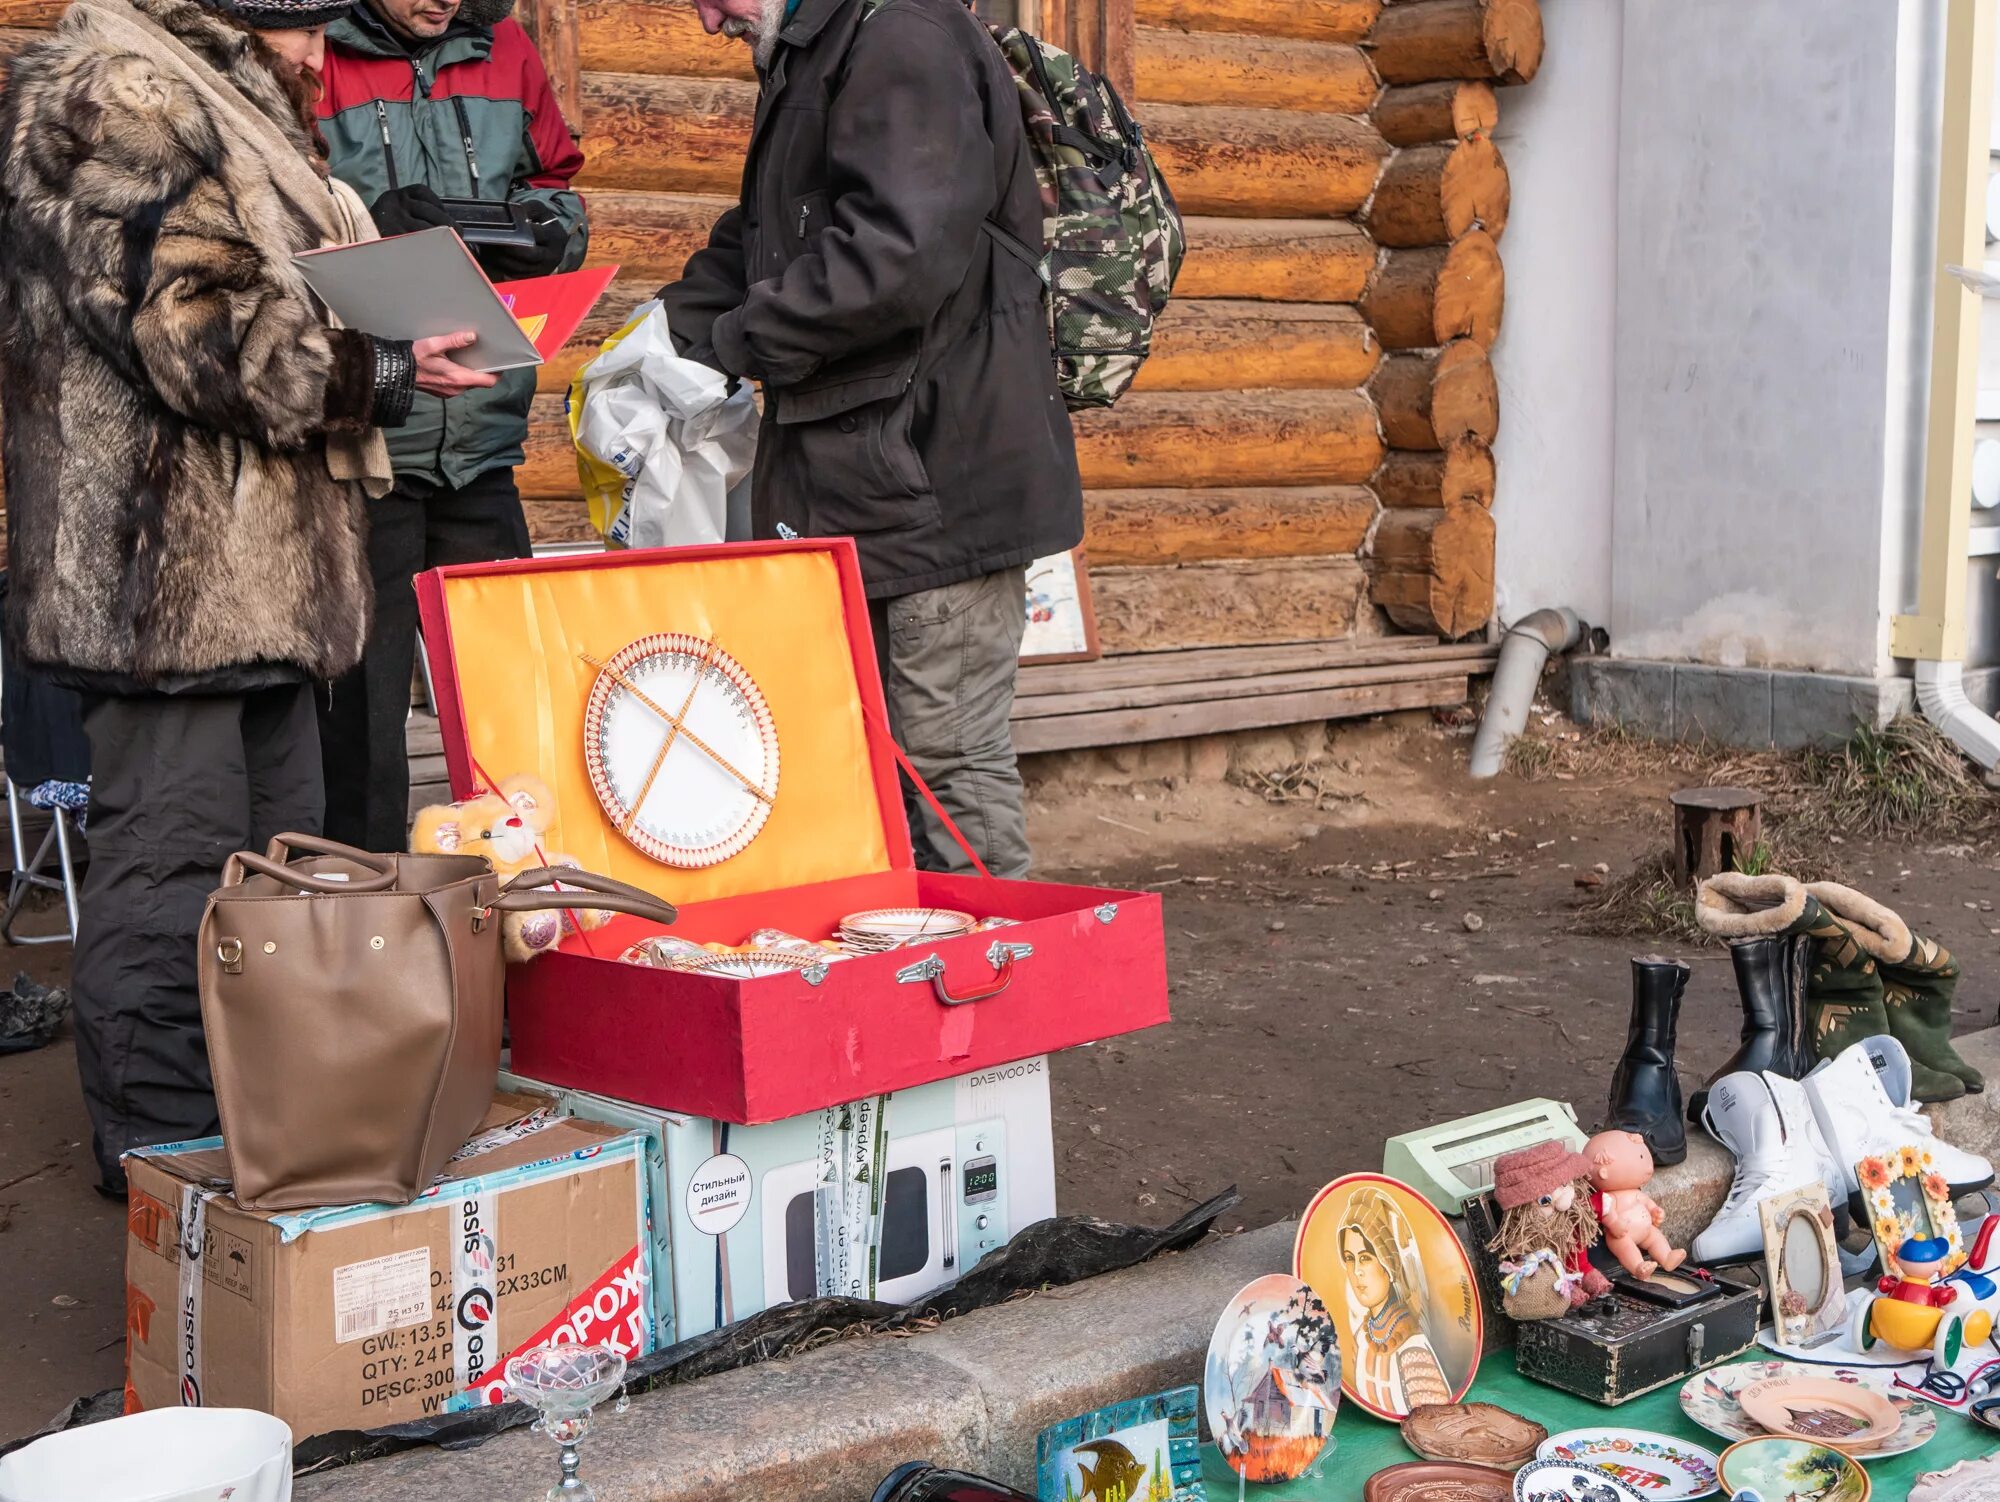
[(1771, 980), (1645, 1091)]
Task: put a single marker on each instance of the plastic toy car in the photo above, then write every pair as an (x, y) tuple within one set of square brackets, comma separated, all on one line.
[(1917, 1311)]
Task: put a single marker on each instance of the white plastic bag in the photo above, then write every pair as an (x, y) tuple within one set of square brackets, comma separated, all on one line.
[(660, 440)]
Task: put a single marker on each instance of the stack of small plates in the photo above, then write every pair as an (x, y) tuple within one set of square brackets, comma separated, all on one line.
[(882, 929), (746, 964)]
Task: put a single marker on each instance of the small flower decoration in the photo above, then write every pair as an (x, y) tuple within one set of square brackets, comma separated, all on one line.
[(1793, 1304), (1909, 1162), (1873, 1173), (1935, 1186)]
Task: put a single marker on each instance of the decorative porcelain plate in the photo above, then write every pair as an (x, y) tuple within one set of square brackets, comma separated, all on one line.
[(882, 929), (1656, 1465), (1773, 1469), (1399, 1287), (1842, 1414), (681, 750), (1566, 1481), (747, 964), (1710, 1400), (1272, 1379)]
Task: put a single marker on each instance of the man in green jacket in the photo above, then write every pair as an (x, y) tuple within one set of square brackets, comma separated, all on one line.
[(427, 100)]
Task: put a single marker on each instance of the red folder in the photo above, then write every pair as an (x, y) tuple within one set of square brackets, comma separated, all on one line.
[(550, 309)]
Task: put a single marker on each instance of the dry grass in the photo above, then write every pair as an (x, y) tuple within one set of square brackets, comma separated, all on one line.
[(1905, 782)]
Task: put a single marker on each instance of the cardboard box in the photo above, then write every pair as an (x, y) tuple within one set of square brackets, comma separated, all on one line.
[(888, 1198), (360, 1316), (513, 652)]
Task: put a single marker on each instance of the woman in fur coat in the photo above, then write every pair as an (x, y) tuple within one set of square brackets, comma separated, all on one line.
[(188, 447)]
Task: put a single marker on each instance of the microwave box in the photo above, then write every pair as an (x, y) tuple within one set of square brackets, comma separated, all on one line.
[(359, 1316), (517, 649), (887, 1198)]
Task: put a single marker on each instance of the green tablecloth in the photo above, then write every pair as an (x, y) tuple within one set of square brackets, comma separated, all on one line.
[(1367, 1444)]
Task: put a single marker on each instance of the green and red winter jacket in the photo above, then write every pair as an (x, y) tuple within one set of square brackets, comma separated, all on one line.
[(470, 115)]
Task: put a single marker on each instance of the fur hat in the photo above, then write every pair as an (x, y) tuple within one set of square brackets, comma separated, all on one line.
[(1526, 1174), (486, 12), (280, 15)]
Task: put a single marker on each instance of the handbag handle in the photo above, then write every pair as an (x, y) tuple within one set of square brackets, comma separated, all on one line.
[(533, 891), (282, 847), (291, 876)]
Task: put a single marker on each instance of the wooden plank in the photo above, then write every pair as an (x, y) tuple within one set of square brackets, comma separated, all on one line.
[(666, 135), (1227, 604), (1163, 438), (1277, 260), (1265, 163), (35, 14), (1183, 67), (1222, 664), (657, 36), (552, 26), (1301, 20), (1189, 526), (1124, 727), (558, 521), (1228, 345), (1042, 706), (649, 236)]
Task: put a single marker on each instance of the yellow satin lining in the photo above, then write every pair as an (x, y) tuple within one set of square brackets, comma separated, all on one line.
[(515, 638)]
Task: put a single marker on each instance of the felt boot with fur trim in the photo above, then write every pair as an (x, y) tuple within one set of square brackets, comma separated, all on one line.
[(1844, 1002), (1918, 979)]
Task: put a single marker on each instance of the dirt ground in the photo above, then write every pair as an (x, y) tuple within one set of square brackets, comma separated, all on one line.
[(1401, 956)]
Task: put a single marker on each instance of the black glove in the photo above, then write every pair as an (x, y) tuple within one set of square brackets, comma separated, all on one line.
[(513, 263), (404, 211)]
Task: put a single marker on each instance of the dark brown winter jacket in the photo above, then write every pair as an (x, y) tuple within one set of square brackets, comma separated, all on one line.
[(910, 391), (166, 381)]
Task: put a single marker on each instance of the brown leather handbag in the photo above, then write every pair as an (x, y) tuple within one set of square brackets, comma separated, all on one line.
[(353, 1005)]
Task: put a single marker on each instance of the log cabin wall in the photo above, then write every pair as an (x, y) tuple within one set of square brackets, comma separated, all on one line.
[(1312, 434)]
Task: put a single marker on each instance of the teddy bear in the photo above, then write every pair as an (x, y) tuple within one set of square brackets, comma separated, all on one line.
[(507, 827)]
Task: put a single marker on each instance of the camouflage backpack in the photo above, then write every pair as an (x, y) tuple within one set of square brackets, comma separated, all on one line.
[(1112, 236)]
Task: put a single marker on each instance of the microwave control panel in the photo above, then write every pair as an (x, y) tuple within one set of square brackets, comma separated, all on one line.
[(979, 1198)]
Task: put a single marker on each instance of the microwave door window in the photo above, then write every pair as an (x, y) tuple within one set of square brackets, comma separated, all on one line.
[(801, 1274), (906, 1225)]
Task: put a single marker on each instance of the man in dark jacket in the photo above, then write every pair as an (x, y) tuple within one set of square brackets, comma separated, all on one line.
[(427, 100), (878, 279)]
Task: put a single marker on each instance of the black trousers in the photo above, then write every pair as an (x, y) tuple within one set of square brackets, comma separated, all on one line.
[(364, 717), (179, 782)]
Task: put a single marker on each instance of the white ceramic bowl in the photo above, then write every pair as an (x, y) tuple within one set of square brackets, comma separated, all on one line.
[(168, 1455)]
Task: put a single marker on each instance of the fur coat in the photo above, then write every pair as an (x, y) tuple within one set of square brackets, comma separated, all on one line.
[(169, 388)]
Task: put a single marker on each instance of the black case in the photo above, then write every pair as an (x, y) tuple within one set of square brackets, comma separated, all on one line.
[(1634, 1347)]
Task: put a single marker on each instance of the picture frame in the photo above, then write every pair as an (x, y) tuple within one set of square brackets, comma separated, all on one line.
[(1906, 1196), (1802, 1266), (1062, 620), (1143, 1450)]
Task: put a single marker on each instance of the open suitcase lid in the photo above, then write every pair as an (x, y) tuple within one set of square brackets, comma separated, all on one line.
[(512, 648)]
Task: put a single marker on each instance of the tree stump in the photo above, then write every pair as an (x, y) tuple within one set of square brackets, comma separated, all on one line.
[(1714, 828)]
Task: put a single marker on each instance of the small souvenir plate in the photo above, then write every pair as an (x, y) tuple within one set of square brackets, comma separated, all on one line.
[(1710, 1399), (1566, 1481), (1839, 1414), (883, 929), (1657, 1465), (1776, 1469), (1473, 1434), (1438, 1481), (748, 964)]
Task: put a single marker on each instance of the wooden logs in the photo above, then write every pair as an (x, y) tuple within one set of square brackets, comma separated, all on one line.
[(656, 36), (1298, 20), (1714, 829), (1251, 72), (36, 15), (1420, 298), (1449, 110), (649, 236), (1460, 475), (1227, 604), (1429, 397), (665, 134), (1430, 195), (1433, 570), (551, 521), (1164, 438), (13, 39), (1425, 40), (1189, 526), (1269, 163), (1228, 345), (1280, 260)]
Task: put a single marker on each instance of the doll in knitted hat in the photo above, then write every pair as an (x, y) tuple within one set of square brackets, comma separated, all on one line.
[(1546, 1231)]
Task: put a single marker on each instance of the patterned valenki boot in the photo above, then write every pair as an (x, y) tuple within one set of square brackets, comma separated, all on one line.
[(1844, 998), (1919, 980)]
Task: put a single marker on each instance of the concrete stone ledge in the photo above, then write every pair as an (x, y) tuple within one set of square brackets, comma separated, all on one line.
[(827, 1426)]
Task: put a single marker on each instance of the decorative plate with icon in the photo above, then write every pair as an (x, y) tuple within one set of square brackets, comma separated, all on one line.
[(681, 749)]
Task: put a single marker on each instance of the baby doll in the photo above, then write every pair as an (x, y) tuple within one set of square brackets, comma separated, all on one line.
[(1619, 1166)]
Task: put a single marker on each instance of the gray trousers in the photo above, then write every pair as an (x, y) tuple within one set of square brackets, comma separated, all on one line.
[(948, 658)]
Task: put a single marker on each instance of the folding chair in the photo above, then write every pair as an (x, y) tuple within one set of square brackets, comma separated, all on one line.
[(29, 875)]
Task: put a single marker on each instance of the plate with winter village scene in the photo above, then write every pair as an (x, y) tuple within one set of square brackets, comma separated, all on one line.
[(1711, 1399), (1272, 1381)]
